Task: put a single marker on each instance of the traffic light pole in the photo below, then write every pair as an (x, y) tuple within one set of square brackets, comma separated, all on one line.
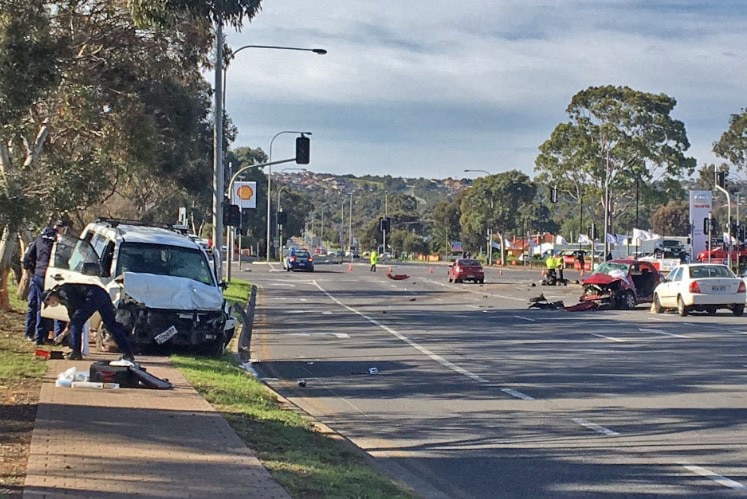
[(720, 183)]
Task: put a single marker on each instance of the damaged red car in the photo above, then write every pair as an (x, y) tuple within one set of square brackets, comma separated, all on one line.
[(621, 284)]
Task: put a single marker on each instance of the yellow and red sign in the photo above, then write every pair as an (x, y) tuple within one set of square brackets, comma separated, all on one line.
[(244, 194)]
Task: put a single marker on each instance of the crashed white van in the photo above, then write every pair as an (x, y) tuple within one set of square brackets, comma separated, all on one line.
[(160, 281)]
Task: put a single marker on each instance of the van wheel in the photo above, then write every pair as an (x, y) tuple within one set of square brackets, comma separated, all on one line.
[(681, 308), (218, 346), (738, 310)]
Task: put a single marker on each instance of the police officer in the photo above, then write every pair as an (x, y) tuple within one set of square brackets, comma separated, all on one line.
[(36, 261), (81, 301)]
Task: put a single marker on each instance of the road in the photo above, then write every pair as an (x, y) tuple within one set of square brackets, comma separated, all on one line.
[(462, 391)]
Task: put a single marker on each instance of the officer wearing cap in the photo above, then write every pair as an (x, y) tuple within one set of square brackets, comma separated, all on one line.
[(81, 301), (36, 261)]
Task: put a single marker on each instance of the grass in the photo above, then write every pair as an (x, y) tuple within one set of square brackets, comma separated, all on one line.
[(15, 351)]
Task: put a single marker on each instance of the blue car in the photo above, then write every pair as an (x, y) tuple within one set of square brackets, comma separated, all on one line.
[(298, 259)]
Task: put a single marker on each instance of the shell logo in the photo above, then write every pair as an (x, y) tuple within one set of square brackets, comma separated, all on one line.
[(244, 192)]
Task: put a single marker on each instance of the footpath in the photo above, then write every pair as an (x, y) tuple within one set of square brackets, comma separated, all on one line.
[(137, 442)]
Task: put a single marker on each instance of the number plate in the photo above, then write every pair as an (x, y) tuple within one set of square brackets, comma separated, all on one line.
[(718, 289)]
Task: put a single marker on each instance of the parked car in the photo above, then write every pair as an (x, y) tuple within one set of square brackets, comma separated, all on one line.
[(466, 269), (298, 259), (161, 282), (702, 287), (621, 283)]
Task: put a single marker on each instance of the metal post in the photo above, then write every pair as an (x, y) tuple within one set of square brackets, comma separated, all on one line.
[(350, 228)]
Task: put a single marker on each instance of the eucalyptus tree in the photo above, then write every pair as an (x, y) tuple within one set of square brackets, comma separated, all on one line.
[(494, 202), (732, 145), (92, 108), (615, 136)]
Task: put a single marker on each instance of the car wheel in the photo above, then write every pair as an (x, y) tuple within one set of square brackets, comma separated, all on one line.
[(738, 310), (458, 280), (711, 310), (451, 280), (482, 281), (657, 305), (628, 300), (681, 308)]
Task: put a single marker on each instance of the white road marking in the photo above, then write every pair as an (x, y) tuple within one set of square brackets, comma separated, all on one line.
[(336, 335), (295, 312), (433, 356), (722, 480), (664, 333), (303, 299), (528, 319), (608, 337), (593, 426), (517, 394), (326, 312), (283, 284)]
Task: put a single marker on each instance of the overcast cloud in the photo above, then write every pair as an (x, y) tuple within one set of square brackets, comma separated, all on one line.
[(428, 88)]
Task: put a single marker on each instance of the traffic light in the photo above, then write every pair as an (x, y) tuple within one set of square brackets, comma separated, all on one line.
[(282, 217), (384, 224), (231, 215), (303, 150), (740, 233), (707, 225), (721, 179), (554, 194)]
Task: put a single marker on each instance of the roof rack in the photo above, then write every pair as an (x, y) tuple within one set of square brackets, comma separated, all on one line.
[(114, 222)]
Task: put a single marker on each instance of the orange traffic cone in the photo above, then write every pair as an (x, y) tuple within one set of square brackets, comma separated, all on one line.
[(350, 267), (430, 270)]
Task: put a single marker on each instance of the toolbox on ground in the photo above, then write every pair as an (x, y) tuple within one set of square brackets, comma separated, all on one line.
[(133, 376)]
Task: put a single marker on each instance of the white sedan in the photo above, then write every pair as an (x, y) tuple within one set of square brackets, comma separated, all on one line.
[(702, 287)]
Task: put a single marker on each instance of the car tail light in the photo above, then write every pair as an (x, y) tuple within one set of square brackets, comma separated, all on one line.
[(694, 288), (292, 259), (311, 259), (742, 288)]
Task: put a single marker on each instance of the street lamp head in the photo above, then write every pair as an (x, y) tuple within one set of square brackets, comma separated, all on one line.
[(319, 51)]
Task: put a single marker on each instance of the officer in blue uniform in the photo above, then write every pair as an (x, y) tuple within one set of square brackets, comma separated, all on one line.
[(36, 261), (81, 301)]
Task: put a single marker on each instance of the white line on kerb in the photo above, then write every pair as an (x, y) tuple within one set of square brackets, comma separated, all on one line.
[(726, 482), (400, 336), (593, 426), (517, 394)]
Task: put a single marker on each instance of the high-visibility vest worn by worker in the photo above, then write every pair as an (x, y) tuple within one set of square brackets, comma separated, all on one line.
[(374, 257), (551, 262)]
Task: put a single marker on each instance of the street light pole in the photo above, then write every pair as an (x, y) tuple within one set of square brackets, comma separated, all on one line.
[(218, 148), (269, 189)]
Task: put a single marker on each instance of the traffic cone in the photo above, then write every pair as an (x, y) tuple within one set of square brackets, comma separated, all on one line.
[(390, 269), (350, 267), (430, 270)]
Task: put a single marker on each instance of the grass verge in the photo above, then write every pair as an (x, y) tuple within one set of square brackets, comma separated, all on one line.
[(306, 462)]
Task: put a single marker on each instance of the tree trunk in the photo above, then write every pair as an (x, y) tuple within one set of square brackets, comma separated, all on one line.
[(8, 244)]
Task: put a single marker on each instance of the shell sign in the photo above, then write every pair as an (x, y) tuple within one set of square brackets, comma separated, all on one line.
[(244, 194)]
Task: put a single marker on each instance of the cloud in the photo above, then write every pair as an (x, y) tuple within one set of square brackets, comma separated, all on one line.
[(419, 88)]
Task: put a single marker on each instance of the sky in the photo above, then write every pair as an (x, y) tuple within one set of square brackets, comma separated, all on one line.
[(429, 88)]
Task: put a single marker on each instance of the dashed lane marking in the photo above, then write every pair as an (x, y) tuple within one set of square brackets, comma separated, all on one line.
[(593, 426), (528, 319), (663, 333), (516, 394), (722, 480), (608, 337)]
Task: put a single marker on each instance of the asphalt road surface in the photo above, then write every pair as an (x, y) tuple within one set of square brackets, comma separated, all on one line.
[(462, 391)]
